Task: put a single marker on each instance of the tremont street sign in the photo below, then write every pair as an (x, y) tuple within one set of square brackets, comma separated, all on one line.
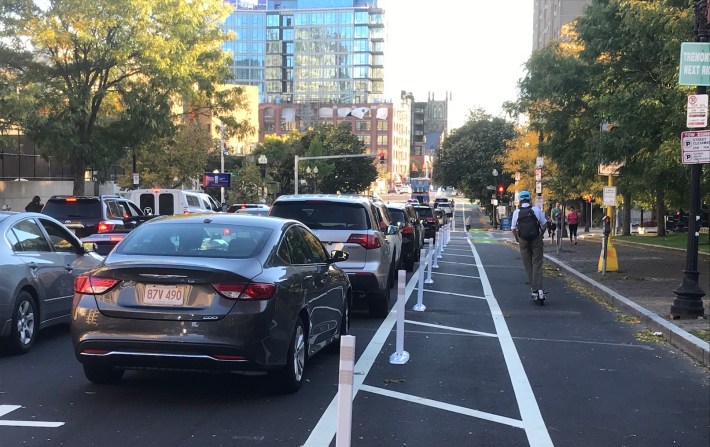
[(694, 63)]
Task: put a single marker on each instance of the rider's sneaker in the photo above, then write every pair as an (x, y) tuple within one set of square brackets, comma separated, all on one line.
[(540, 295)]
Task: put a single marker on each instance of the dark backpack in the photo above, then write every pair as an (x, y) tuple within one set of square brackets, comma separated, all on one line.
[(528, 225)]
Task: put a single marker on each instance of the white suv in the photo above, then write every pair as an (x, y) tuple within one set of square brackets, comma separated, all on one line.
[(351, 224)]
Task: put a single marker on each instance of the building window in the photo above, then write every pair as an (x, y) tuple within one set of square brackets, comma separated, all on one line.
[(382, 140), (361, 125), (382, 125)]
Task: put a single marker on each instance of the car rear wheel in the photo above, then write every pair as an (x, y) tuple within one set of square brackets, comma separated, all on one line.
[(291, 376), (103, 375), (24, 324), (379, 302)]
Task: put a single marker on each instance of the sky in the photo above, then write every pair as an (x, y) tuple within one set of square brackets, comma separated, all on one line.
[(474, 49)]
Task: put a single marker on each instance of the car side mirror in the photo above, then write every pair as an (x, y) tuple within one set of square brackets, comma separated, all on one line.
[(338, 256), (391, 229), (89, 247)]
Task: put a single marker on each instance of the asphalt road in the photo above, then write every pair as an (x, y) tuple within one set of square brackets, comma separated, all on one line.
[(487, 367)]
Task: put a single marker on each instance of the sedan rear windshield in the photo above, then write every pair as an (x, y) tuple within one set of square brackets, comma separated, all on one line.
[(397, 216), (195, 240), (62, 209), (424, 211), (323, 215)]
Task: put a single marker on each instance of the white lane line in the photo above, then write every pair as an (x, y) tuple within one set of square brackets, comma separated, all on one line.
[(454, 274), (457, 263), (444, 406), (453, 293), (324, 431), (5, 409), (450, 328), (584, 342), (534, 425)]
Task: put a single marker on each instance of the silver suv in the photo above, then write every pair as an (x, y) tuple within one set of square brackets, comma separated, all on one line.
[(351, 224)]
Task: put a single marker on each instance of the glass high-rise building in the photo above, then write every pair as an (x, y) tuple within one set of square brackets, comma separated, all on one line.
[(308, 51)]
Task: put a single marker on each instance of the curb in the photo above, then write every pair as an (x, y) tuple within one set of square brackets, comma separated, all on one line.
[(681, 339)]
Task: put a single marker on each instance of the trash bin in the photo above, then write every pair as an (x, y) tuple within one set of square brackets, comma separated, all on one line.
[(505, 223)]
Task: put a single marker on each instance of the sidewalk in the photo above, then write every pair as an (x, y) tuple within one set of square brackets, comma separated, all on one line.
[(642, 287)]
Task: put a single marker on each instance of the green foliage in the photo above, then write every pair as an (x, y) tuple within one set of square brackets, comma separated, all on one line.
[(86, 68), (468, 156), (245, 185)]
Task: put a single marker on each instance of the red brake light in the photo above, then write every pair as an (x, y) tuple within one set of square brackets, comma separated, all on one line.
[(430, 219), (407, 230), (366, 241), (105, 227), (250, 291), (71, 199), (93, 285)]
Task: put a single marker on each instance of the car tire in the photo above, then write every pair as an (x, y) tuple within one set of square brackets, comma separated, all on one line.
[(379, 303), (290, 376), (102, 374), (24, 324)]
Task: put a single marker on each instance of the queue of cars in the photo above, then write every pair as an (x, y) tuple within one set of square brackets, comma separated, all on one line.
[(205, 291)]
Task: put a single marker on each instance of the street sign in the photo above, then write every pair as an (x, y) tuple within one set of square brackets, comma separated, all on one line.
[(494, 202), (697, 111), (539, 162), (695, 147), (538, 187), (694, 63), (136, 178), (609, 196), (217, 179), (538, 174), (610, 169)]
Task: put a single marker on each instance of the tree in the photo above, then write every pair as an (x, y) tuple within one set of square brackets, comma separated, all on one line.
[(245, 186), (79, 61), (469, 154)]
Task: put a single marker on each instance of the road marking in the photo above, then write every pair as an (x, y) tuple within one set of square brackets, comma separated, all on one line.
[(454, 274), (444, 406), (535, 428), (451, 328), (453, 293), (5, 409), (457, 263)]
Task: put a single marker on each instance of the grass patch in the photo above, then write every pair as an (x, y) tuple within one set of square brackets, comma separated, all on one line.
[(650, 337), (628, 319), (672, 240), (703, 334)]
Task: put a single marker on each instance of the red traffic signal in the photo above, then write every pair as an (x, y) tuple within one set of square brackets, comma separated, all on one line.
[(382, 157), (500, 189), (589, 199)]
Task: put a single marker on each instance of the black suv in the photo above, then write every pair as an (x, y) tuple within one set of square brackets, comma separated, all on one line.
[(431, 224), (90, 215), (412, 231)]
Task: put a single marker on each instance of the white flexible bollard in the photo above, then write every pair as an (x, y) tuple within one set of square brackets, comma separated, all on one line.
[(440, 238), (400, 356), (430, 260), (345, 391), (420, 280), (435, 255), (439, 248), (453, 221)]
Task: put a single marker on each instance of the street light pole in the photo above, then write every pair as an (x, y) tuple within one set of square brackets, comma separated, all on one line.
[(495, 185), (688, 301), (221, 161)]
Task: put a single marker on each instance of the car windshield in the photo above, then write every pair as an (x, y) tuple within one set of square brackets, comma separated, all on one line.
[(424, 211), (67, 209), (195, 240), (323, 215), (397, 216)]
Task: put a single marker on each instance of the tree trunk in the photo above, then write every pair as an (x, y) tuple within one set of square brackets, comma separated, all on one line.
[(78, 167), (626, 229), (660, 212)]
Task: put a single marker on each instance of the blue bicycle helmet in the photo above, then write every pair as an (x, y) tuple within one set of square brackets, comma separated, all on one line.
[(524, 195)]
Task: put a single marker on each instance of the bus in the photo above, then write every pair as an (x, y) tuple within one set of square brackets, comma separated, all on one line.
[(420, 189)]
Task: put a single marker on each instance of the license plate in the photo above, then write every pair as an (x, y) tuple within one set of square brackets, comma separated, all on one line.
[(158, 295)]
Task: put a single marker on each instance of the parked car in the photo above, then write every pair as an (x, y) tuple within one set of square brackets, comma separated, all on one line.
[(349, 223), (258, 209), (87, 215), (412, 231), (220, 293), (426, 216), (171, 201), (440, 216), (39, 259), (394, 239)]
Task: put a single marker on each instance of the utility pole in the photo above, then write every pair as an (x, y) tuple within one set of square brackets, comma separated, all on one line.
[(688, 301)]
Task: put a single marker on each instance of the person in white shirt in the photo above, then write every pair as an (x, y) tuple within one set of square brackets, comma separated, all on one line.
[(531, 245)]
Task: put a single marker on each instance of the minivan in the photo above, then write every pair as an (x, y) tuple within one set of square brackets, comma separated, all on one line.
[(170, 201)]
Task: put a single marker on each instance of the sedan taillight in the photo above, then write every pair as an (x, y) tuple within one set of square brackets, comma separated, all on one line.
[(106, 227), (246, 291), (93, 285), (407, 230), (366, 241)]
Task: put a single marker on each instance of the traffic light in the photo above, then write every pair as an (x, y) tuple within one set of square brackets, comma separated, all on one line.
[(382, 158), (590, 199), (500, 189)]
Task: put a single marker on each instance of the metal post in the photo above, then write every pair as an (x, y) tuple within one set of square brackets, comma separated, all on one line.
[(295, 174), (688, 301), (221, 161)]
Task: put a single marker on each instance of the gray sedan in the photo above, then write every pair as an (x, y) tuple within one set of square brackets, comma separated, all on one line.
[(217, 292), (39, 259)]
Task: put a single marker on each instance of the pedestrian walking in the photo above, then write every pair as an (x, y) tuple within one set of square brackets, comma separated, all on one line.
[(468, 223), (572, 221), (35, 205), (527, 225)]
